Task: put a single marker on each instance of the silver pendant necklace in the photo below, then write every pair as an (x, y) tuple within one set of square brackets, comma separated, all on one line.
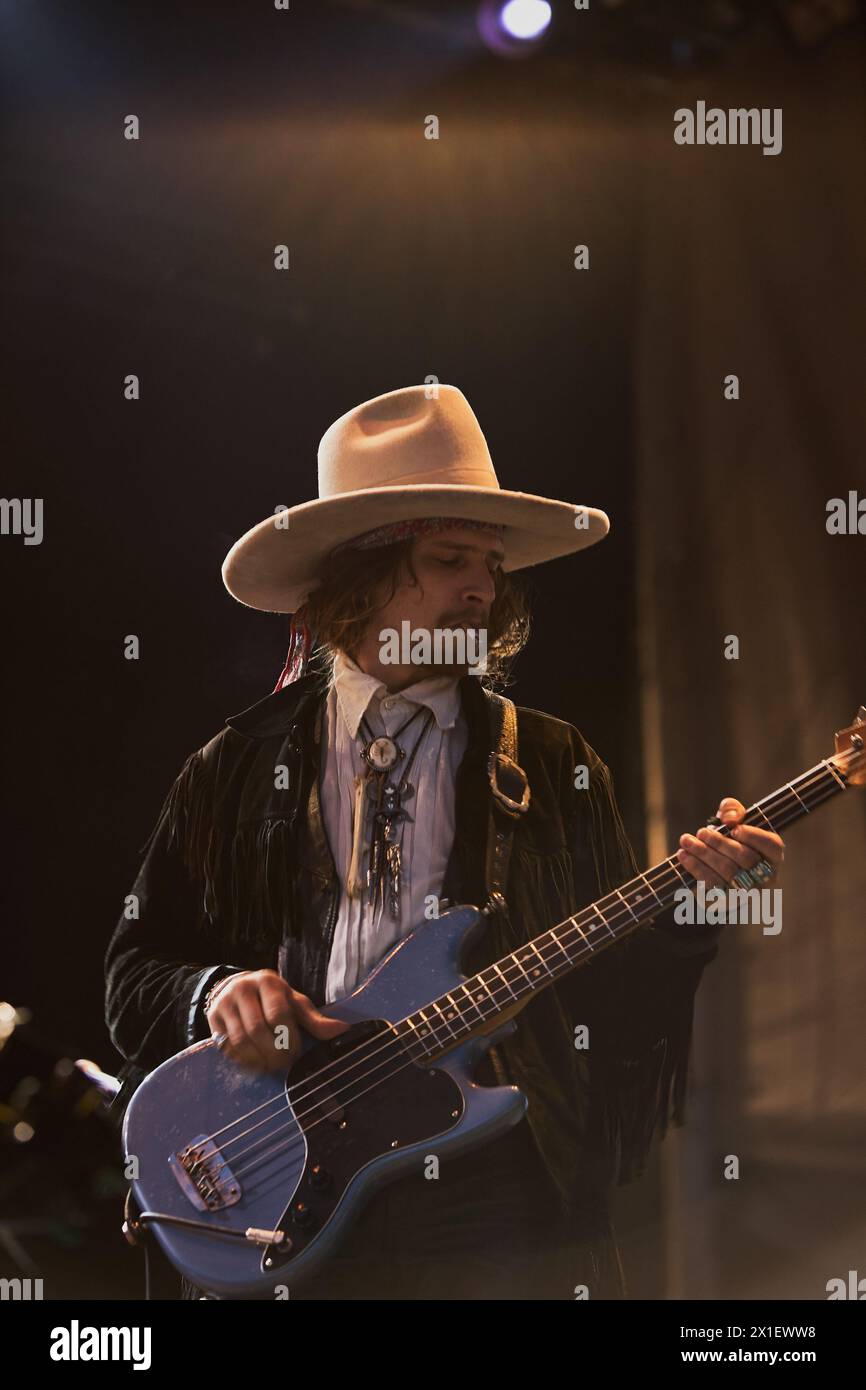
[(382, 752), (388, 795)]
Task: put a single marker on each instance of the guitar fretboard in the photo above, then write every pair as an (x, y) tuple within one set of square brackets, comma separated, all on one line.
[(455, 1016)]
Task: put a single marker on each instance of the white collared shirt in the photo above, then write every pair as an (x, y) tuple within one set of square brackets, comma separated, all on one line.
[(362, 934)]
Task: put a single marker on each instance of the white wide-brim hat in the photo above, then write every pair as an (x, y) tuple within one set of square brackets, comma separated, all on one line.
[(412, 453)]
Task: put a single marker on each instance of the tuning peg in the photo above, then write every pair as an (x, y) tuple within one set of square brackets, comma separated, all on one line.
[(860, 716)]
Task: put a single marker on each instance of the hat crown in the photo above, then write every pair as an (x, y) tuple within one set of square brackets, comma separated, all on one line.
[(419, 435)]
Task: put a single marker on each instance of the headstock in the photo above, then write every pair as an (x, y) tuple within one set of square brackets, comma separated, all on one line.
[(850, 756)]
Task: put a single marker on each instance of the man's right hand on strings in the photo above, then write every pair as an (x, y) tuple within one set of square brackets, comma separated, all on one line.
[(260, 1015)]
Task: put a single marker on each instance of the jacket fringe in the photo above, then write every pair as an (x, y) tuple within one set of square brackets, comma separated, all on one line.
[(635, 1097), (260, 886), (643, 1095), (246, 882), (183, 816)]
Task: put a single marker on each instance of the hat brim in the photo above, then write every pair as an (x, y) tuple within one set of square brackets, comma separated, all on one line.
[(274, 566)]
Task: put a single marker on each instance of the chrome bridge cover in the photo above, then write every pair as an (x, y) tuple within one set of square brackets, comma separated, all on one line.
[(204, 1176)]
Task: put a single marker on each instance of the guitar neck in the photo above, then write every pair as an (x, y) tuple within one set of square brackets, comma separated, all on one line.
[(503, 987)]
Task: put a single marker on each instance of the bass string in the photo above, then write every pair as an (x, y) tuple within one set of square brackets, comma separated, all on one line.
[(369, 1050), (363, 1051), (300, 1136)]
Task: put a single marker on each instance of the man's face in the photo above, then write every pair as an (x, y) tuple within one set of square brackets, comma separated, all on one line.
[(455, 588)]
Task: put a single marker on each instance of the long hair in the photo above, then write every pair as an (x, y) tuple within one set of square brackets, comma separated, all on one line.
[(340, 609)]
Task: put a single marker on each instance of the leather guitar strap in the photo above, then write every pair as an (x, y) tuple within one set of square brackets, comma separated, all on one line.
[(509, 799), (509, 802)]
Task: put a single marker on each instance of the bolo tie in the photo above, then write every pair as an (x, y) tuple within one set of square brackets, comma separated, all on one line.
[(385, 786)]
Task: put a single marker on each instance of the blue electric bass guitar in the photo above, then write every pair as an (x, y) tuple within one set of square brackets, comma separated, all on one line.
[(249, 1180)]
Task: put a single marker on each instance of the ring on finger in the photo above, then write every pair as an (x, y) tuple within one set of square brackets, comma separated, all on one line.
[(760, 873), (763, 871)]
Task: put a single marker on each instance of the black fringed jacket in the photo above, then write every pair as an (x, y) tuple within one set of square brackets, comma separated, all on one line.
[(238, 874)]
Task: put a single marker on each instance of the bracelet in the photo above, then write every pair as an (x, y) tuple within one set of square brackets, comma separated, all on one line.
[(213, 992)]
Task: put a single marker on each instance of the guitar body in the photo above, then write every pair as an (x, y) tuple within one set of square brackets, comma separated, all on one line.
[(259, 1163)]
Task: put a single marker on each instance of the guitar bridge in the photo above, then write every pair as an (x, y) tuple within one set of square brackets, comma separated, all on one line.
[(204, 1176)]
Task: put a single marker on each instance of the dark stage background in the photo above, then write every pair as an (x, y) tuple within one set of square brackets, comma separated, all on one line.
[(412, 257)]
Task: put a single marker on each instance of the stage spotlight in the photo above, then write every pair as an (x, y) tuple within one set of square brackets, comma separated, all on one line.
[(525, 19), (515, 29)]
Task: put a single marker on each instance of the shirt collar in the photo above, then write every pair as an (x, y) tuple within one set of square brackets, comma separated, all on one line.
[(355, 690)]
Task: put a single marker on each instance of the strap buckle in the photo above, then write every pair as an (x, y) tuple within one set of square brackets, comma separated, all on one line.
[(514, 784)]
